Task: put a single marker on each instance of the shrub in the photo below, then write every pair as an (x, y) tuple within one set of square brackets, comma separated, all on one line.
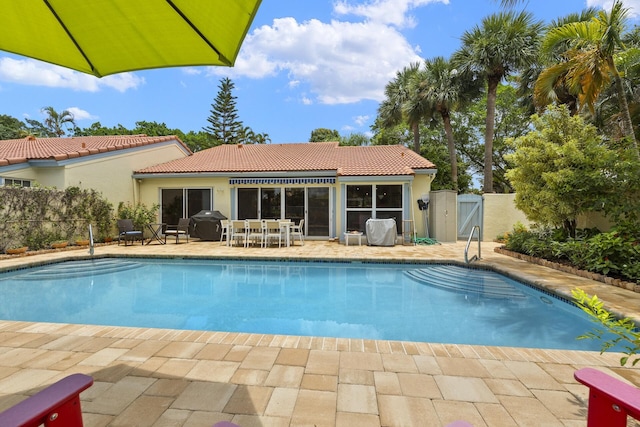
[(140, 214), (623, 331)]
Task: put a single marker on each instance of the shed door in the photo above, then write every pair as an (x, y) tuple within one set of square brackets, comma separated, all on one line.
[(469, 214)]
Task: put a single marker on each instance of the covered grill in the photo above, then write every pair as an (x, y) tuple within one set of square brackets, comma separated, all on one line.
[(205, 225), (381, 232)]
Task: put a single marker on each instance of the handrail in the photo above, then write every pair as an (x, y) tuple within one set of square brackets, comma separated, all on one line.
[(90, 240), (466, 249)]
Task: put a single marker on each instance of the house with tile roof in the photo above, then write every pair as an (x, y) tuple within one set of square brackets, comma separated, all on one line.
[(102, 163), (334, 189)]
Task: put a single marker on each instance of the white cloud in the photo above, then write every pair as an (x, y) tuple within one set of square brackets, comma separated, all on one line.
[(391, 12), (36, 73), (339, 62), (632, 5), (361, 120), (191, 71), (80, 114)]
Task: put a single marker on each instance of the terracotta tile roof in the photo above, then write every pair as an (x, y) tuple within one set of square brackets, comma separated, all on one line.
[(317, 156), (13, 151)]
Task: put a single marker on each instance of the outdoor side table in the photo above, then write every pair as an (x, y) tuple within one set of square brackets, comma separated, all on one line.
[(156, 231), (348, 235)]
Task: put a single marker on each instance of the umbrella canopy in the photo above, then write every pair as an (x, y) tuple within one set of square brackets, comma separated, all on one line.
[(103, 37)]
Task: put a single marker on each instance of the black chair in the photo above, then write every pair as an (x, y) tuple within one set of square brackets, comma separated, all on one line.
[(127, 233), (182, 229)]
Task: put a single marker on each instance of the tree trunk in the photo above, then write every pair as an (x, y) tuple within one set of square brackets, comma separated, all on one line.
[(492, 93), (416, 137), (624, 107), (453, 158)]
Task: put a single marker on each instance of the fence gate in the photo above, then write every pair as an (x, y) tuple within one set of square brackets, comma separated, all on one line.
[(469, 214)]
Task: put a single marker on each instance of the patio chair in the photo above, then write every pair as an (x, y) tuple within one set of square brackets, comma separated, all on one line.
[(297, 231), (225, 229), (254, 232), (182, 229), (57, 404), (127, 233), (238, 232), (272, 231), (611, 401)]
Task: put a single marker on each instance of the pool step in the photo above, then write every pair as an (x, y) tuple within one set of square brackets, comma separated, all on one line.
[(466, 280), (83, 268)]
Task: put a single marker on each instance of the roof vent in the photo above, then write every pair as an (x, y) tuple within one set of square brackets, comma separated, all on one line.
[(30, 138), (84, 145)]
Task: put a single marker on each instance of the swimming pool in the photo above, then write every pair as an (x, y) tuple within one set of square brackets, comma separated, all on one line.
[(411, 302)]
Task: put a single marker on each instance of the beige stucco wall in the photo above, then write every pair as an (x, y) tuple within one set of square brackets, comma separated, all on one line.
[(111, 175), (420, 186), (150, 190), (500, 215)]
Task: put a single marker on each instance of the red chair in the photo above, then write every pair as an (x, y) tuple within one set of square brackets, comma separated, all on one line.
[(56, 405), (610, 400)]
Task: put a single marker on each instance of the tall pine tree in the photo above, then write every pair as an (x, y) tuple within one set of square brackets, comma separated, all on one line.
[(225, 127)]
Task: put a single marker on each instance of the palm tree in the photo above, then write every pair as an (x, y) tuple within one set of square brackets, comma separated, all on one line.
[(443, 88), (504, 43), (547, 80), (55, 121), (590, 62), (400, 103)]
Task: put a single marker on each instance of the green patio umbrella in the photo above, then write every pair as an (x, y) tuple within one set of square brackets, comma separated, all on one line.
[(103, 37)]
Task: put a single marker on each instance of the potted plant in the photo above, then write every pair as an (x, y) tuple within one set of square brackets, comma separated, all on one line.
[(81, 241), (59, 244), (15, 250)]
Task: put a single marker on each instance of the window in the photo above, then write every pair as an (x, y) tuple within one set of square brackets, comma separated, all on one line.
[(270, 203), (248, 203), (183, 202), (373, 201), (11, 182)]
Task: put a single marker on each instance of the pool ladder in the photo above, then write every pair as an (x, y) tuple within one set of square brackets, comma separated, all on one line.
[(466, 249)]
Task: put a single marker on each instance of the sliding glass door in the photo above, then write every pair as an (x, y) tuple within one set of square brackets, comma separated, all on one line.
[(294, 203), (179, 203)]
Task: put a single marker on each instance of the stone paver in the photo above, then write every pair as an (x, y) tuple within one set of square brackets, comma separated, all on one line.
[(161, 378)]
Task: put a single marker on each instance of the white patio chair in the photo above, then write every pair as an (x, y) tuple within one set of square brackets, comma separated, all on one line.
[(297, 231), (238, 232), (272, 232), (255, 233), (225, 229)]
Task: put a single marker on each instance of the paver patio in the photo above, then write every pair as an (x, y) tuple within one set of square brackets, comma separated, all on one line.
[(159, 377)]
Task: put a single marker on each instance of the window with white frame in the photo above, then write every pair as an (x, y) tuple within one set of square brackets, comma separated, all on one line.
[(378, 201), (13, 182)]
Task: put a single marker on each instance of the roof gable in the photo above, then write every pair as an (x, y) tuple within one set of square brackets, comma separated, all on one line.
[(304, 157)]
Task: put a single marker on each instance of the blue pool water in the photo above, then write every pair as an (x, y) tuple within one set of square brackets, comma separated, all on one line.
[(429, 303)]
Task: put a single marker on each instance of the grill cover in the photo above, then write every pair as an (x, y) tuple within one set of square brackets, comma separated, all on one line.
[(205, 225), (381, 232)]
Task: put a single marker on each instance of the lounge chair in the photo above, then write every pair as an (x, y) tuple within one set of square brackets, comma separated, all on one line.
[(182, 229), (127, 233)]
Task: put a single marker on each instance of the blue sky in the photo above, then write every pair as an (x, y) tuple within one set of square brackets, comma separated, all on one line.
[(304, 65)]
